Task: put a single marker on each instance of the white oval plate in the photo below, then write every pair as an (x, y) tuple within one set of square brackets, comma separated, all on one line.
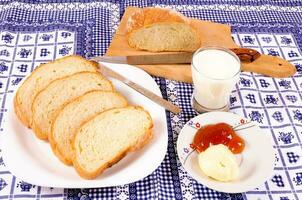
[(257, 161), (33, 161)]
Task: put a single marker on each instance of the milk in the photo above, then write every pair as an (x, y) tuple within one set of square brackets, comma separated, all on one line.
[(215, 73)]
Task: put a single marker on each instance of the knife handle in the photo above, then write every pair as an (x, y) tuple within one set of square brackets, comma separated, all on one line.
[(246, 54)]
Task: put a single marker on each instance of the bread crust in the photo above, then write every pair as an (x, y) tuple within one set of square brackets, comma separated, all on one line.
[(140, 144), (18, 109), (51, 139), (150, 15), (19, 114), (146, 17), (38, 132)]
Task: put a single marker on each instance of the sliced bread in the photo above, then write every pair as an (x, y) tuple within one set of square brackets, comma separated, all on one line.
[(150, 15), (51, 99), (75, 113), (41, 77), (108, 137), (165, 37)]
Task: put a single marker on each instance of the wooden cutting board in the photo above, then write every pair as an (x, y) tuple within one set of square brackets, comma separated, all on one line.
[(212, 34)]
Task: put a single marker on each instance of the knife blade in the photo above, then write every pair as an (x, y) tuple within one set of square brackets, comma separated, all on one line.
[(244, 54), (147, 93)]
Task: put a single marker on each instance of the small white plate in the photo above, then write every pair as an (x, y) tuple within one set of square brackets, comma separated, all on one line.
[(257, 157), (33, 161)]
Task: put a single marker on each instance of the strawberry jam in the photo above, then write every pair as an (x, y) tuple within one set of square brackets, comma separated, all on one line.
[(214, 134)]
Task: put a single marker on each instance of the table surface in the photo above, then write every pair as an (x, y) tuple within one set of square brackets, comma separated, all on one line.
[(34, 32)]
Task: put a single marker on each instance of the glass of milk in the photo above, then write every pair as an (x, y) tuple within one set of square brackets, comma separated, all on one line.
[(215, 71)]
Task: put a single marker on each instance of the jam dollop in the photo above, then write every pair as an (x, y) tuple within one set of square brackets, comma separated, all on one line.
[(213, 134)]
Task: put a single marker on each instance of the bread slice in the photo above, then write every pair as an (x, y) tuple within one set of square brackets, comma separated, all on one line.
[(108, 137), (51, 99), (165, 37), (74, 114), (41, 77), (150, 15)]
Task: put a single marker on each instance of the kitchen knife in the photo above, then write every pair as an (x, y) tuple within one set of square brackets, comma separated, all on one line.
[(251, 61), (155, 98), (244, 54)]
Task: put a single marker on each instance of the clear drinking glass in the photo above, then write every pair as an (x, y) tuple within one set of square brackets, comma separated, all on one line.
[(215, 71)]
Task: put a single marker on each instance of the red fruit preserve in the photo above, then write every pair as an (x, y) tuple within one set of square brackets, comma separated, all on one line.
[(221, 133)]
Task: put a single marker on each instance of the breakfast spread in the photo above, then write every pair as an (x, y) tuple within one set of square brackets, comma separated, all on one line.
[(214, 134), (88, 124), (158, 29), (216, 145), (219, 163)]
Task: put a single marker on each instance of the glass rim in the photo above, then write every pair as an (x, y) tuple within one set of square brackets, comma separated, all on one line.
[(221, 49)]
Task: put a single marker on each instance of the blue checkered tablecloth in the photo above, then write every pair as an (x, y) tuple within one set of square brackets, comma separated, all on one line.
[(35, 32)]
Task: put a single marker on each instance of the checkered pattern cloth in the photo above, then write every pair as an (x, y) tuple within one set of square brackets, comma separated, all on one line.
[(35, 32)]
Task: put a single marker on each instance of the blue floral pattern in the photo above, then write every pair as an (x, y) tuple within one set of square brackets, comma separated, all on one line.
[(286, 137), (25, 187), (298, 115), (270, 99), (251, 98), (278, 180), (23, 67), (7, 38), (24, 53), (264, 83), (248, 39), (299, 68), (46, 37), (292, 54), (298, 178), (3, 184), (286, 40), (267, 39), (27, 38), (291, 98), (3, 67), (16, 81), (256, 116), (64, 50), (245, 82), (292, 157), (278, 116), (273, 52), (5, 53), (285, 84)]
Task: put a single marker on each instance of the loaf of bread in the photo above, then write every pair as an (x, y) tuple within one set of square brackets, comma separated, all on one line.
[(159, 29), (165, 37), (59, 92), (75, 113), (108, 137), (41, 77)]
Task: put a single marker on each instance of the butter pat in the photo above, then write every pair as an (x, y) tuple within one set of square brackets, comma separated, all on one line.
[(219, 163)]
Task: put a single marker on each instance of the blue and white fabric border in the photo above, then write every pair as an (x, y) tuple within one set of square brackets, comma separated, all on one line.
[(33, 32)]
